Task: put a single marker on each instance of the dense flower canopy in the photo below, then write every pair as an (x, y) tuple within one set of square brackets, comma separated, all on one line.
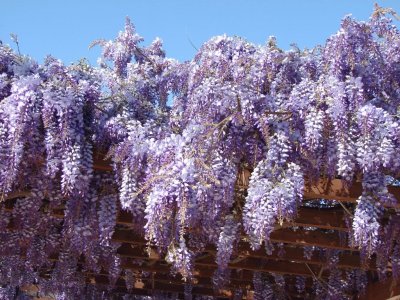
[(177, 135)]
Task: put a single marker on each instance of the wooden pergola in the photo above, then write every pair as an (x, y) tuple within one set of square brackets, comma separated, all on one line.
[(323, 227)]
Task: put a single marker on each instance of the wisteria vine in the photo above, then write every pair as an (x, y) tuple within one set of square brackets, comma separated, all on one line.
[(177, 136)]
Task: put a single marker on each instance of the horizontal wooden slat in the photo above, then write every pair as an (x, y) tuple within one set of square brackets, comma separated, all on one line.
[(330, 240), (200, 287), (336, 189), (347, 260), (308, 217), (388, 289), (155, 285), (321, 218)]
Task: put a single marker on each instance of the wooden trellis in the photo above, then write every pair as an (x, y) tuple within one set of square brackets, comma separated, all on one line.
[(314, 226)]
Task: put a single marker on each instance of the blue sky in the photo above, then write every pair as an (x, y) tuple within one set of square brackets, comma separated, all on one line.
[(66, 28)]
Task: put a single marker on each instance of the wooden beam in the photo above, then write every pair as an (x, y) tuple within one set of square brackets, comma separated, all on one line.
[(321, 218), (147, 287), (100, 163), (330, 240), (347, 260), (204, 284), (307, 217), (330, 189), (302, 237), (265, 266), (336, 189), (387, 289), (150, 285)]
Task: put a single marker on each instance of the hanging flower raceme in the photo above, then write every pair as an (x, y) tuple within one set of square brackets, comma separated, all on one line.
[(366, 222), (20, 117), (275, 188)]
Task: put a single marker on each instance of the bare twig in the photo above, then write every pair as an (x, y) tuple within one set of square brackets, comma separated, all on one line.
[(278, 113), (100, 109), (319, 280), (191, 43), (345, 209), (14, 38)]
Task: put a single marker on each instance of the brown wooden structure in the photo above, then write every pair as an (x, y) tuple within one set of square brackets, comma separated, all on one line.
[(328, 231)]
